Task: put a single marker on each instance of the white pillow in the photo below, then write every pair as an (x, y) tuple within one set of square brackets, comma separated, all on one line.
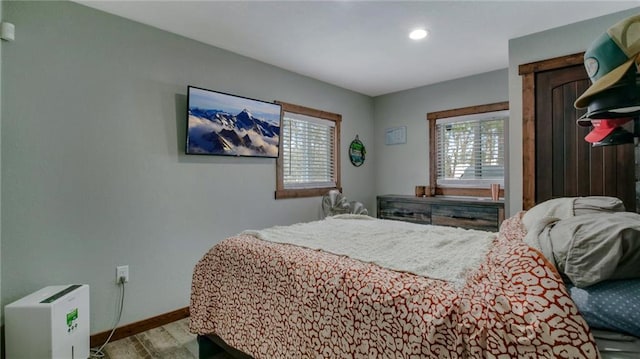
[(570, 206)]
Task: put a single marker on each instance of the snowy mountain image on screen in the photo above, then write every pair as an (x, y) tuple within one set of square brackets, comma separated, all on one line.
[(214, 131)]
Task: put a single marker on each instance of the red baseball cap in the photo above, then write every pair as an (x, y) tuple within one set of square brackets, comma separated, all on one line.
[(603, 128)]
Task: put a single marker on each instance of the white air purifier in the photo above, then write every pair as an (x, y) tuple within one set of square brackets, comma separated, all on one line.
[(50, 323)]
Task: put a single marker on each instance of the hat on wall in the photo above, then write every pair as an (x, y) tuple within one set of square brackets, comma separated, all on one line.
[(619, 136), (603, 128), (618, 101), (610, 57)]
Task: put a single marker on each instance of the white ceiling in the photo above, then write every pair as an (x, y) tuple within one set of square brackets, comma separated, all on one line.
[(363, 45)]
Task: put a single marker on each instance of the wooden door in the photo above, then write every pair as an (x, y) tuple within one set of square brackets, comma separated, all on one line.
[(565, 165)]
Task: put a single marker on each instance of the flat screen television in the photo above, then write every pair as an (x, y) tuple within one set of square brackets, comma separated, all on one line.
[(229, 125)]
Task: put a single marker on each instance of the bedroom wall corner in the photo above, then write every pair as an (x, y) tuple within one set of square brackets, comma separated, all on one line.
[(94, 173), (565, 40), (400, 167)]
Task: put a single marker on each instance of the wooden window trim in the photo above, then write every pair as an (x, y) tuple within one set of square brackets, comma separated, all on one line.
[(281, 192), (433, 175), (528, 73)]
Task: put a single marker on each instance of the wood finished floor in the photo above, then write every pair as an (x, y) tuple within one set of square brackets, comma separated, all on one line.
[(171, 341)]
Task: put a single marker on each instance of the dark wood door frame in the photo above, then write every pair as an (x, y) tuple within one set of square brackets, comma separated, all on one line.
[(528, 73)]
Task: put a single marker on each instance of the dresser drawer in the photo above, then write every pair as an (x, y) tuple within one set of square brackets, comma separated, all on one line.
[(473, 217), (404, 211), (465, 213)]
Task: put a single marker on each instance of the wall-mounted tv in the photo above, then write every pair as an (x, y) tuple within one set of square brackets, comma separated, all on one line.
[(229, 125)]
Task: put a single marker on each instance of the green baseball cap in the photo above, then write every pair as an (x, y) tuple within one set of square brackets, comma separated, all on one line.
[(610, 57)]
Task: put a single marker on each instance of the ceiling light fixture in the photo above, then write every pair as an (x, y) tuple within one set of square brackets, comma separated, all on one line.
[(418, 34)]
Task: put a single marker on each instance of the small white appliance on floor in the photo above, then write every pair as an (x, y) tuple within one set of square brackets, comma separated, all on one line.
[(50, 323)]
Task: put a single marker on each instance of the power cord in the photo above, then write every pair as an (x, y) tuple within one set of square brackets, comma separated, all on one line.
[(97, 353)]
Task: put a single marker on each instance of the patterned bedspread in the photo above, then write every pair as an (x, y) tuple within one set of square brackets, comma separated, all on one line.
[(275, 300)]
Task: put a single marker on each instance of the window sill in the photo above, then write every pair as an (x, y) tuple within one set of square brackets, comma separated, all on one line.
[(303, 192)]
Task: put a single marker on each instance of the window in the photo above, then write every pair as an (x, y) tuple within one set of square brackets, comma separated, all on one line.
[(467, 149), (308, 164)]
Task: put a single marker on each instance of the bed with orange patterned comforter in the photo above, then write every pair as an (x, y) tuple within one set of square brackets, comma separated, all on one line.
[(273, 300)]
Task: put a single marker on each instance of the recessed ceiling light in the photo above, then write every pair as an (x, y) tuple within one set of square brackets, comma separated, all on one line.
[(418, 34)]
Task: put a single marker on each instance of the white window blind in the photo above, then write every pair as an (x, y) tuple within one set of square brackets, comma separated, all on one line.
[(470, 150), (308, 151)]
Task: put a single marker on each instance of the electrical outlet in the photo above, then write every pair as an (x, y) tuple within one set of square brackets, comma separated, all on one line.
[(122, 271)]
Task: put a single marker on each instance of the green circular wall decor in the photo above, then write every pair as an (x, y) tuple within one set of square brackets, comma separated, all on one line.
[(357, 152)]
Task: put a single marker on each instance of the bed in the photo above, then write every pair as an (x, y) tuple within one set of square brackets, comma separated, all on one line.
[(265, 299)]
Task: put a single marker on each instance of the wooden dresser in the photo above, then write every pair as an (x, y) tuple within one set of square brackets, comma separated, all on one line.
[(469, 213)]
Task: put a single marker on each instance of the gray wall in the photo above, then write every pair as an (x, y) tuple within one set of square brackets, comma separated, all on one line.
[(556, 42), (1, 46), (93, 168), (399, 168)]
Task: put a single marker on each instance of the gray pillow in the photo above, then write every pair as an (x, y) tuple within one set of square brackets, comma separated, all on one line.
[(570, 206), (591, 248)]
